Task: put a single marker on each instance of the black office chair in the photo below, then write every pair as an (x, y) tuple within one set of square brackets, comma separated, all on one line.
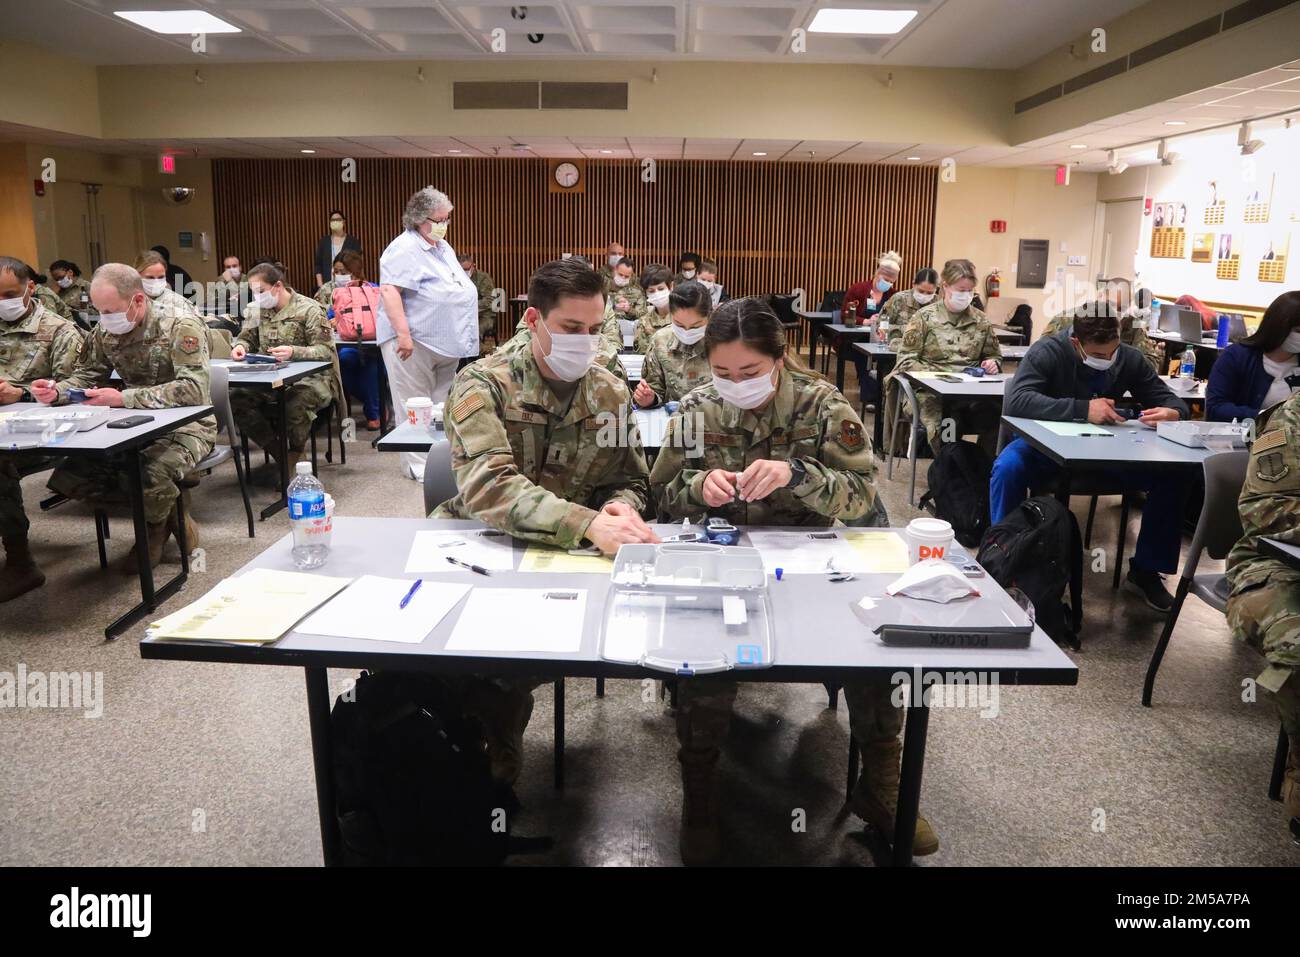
[(783, 306), (832, 300)]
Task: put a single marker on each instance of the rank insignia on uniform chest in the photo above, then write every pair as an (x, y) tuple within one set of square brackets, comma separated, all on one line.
[(851, 435)]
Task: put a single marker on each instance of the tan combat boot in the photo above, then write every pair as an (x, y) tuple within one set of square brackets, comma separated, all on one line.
[(158, 535), (20, 573), (191, 531), (875, 797), (700, 839), (503, 714)]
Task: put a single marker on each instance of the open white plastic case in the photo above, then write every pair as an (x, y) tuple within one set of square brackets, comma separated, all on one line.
[(81, 418), (688, 609)]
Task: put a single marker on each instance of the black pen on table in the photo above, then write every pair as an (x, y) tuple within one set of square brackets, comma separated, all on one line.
[(474, 568)]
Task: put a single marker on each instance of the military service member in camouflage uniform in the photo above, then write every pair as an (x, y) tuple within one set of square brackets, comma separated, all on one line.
[(48, 298), (34, 344), (290, 327), (1132, 329), (165, 302), (676, 363), (688, 268), (529, 428), (613, 254), (901, 307), (948, 336), (776, 445), (487, 319), (626, 298), (163, 361), (657, 284), (66, 277), (1264, 604)]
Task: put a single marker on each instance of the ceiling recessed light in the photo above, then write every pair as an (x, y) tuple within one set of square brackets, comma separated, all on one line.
[(607, 152), (177, 21), (760, 154), (453, 151), (306, 151), (1175, 122), (874, 22), (914, 159), (1078, 146)]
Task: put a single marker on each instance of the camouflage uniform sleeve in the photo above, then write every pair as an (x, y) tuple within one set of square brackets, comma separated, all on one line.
[(1270, 496), (489, 482), (65, 351), (628, 478), (840, 481), (56, 305), (320, 338), (191, 386), (92, 367), (912, 344), (1059, 323), (1142, 342), (610, 332), (677, 488), (652, 374), (324, 295), (250, 336), (992, 349)]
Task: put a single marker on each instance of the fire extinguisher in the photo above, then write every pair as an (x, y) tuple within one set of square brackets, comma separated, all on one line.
[(992, 284)]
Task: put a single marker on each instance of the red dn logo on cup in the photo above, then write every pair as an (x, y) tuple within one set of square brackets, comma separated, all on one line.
[(929, 551)]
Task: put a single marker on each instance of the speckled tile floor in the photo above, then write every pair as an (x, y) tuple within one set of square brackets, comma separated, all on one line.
[(226, 747)]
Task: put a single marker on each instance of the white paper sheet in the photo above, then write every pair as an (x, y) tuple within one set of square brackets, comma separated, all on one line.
[(371, 609), (482, 547), (807, 551), (521, 619), (651, 424)]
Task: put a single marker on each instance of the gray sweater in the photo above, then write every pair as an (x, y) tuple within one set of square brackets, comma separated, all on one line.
[(1053, 384)]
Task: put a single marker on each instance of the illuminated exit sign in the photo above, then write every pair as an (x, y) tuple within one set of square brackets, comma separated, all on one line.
[(167, 163)]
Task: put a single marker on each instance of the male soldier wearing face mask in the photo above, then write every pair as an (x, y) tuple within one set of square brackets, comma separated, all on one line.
[(527, 428), (163, 361), (34, 344)]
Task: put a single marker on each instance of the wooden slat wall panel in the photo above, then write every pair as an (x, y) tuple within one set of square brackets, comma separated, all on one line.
[(772, 227)]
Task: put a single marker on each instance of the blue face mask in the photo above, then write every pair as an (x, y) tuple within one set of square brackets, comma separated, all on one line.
[(883, 286)]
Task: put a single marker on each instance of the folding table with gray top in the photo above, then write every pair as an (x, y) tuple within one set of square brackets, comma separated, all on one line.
[(1284, 550), (817, 640), (246, 376), (650, 423), (101, 442)]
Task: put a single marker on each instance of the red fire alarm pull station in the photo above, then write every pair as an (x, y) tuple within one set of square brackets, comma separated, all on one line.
[(166, 163), (1146, 207), (998, 226), (1063, 176)]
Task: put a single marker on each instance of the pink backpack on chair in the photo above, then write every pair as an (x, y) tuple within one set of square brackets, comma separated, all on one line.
[(354, 308)]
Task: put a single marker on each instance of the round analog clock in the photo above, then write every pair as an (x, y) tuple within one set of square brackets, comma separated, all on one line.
[(566, 175)]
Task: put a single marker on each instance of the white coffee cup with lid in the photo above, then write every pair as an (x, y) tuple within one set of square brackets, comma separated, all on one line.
[(419, 411), (928, 538)]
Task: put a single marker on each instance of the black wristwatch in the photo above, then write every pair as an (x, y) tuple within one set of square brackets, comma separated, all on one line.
[(798, 472)]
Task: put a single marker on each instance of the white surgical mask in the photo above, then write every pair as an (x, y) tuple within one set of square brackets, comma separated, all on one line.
[(64, 282), (613, 261), (571, 354), (622, 280), (234, 272), (922, 297), (11, 309), (658, 299), (342, 279), (688, 337), (747, 394), (688, 273), (1096, 362), (116, 323), (153, 288), (958, 301), (1292, 342), (264, 299)]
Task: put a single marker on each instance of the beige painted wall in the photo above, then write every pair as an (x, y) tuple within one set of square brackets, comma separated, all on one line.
[(786, 102), (16, 193), (1034, 208), (1259, 45), (162, 221), (48, 90)]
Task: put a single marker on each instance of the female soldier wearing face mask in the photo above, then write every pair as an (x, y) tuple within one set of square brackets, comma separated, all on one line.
[(949, 335), (784, 448), (153, 272), (652, 316), (675, 363)]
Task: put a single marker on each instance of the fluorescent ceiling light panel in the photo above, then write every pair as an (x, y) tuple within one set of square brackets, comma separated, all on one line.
[(869, 22), (177, 21)]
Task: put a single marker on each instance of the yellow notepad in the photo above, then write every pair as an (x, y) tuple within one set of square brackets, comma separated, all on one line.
[(258, 607), (884, 552), (539, 558)]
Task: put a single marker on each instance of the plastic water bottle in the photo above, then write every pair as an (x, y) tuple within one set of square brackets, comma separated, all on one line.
[(1188, 369), (306, 507)]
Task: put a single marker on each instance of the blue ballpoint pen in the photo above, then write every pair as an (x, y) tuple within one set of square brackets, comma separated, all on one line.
[(414, 588)]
